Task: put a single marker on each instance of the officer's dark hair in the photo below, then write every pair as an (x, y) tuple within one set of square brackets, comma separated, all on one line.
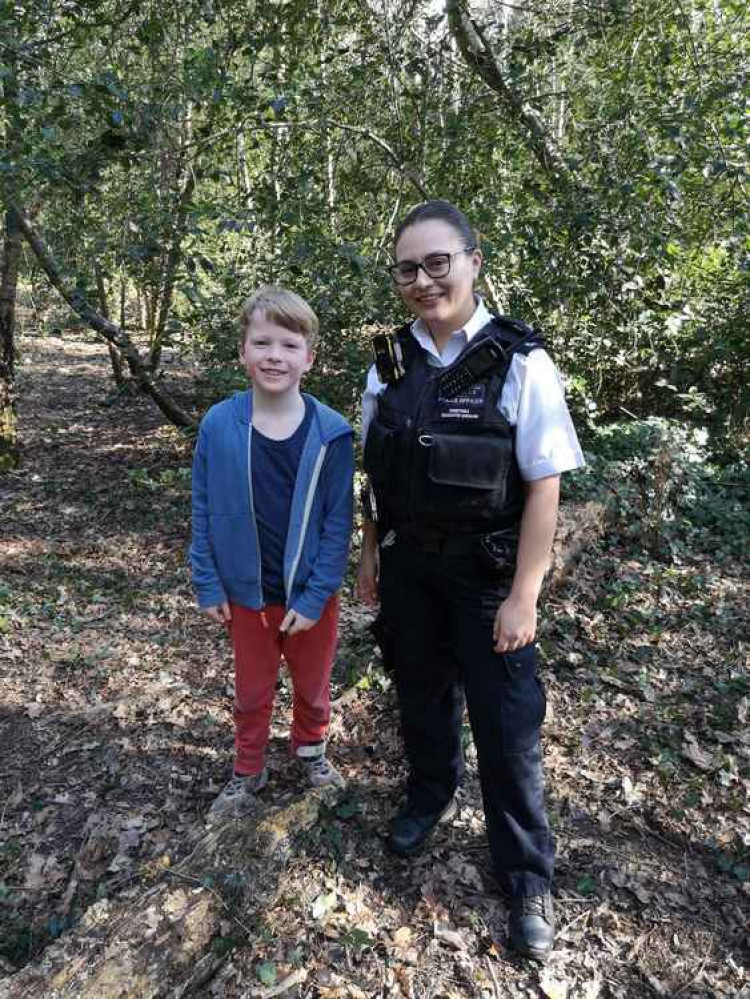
[(442, 211)]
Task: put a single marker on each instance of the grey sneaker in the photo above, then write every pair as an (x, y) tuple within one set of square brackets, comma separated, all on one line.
[(318, 770), (239, 794)]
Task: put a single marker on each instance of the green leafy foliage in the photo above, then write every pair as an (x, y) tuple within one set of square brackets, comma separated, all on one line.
[(222, 946), (191, 156), (358, 940), (673, 489), (586, 885), (267, 973)]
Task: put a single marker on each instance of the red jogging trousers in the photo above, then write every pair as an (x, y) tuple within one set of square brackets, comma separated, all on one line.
[(258, 648)]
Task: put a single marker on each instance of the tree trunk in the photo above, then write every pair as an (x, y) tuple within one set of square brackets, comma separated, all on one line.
[(160, 944), (149, 310), (478, 53), (170, 270), (106, 328), (329, 173), (114, 355), (580, 526), (11, 260), (123, 304), (242, 168), (9, 454)]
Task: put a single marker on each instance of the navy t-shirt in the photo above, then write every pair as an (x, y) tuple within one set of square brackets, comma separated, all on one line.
[(275, 465)]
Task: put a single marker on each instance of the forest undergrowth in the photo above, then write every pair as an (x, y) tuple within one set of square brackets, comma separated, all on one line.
[(115, 734)]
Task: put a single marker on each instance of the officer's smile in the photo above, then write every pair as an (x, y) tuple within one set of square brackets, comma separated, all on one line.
[(444, 303)]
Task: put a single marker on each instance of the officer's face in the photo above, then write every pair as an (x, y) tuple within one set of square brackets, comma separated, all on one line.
[(443, 303)]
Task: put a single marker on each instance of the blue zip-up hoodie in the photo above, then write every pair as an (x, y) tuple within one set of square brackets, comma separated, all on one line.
[(225, 553)]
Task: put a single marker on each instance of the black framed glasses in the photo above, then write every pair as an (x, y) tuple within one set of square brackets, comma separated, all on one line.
[(435, 265)]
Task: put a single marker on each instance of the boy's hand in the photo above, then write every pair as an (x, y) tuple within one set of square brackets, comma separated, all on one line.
[(294, 622), (221, 613), (515, 623)]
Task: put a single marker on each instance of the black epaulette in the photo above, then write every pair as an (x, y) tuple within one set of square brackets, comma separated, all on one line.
[(409, 346), (517, 337)]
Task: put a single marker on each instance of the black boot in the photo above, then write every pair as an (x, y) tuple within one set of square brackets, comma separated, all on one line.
[(410, 830), (532, 925)]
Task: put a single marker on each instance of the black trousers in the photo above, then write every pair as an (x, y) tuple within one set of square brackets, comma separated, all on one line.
[(441, 609)]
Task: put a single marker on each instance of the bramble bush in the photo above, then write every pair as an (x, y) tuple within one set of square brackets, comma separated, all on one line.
[(672, 491)]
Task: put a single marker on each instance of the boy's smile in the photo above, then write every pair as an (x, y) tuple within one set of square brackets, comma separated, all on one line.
[(274, 358)]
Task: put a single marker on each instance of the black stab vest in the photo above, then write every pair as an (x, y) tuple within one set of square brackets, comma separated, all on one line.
[(447, 465)]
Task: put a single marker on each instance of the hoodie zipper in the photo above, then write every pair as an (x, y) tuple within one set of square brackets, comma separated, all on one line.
[(305, 519), (252, 504)]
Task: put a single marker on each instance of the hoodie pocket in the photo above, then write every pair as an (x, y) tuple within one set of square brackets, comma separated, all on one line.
[(234, 547)]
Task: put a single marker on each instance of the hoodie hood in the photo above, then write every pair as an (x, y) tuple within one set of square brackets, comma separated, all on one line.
[(330, 423)]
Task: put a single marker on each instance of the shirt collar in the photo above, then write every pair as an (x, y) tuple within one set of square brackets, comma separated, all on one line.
[(478, 321)]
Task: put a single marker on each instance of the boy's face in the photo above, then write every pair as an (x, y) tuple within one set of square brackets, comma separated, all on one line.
[(274, 358)]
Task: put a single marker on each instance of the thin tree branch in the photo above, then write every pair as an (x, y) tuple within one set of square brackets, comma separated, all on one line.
[(314, 126)]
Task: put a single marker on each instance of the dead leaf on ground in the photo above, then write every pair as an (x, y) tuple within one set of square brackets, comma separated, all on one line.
[(403, 937), (447, 935), (552, 985), (699, 757)]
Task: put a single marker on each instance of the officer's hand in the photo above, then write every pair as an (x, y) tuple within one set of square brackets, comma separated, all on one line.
[(367, 578), (294, 622), (515, 623), (221, 613)]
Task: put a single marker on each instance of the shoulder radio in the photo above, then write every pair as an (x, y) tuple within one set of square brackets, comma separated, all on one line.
[(473, 365)]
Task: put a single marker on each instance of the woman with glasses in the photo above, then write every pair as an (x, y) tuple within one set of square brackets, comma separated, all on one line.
[(466, 434)]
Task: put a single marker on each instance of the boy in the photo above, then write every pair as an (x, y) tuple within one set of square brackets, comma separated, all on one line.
[(272, 518)]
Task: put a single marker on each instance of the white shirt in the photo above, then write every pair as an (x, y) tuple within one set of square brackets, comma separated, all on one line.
[(532, 400)]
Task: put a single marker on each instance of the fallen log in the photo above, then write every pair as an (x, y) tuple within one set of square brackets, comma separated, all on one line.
[(580, 526), (159, 945)]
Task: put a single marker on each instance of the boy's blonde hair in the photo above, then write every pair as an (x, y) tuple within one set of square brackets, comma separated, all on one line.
[(283, 307)]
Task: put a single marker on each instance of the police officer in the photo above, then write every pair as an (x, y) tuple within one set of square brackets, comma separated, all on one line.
[(466, 434)]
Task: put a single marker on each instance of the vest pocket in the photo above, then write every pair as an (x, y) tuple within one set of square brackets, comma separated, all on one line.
[(467, 461), (378, 453)]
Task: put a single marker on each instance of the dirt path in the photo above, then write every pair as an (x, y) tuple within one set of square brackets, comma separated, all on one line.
[(115, 734)]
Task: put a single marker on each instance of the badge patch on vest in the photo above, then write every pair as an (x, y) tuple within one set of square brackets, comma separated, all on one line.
[(468, 405)]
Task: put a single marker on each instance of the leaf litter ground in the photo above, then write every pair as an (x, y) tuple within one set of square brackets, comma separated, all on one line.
[(115, 734)]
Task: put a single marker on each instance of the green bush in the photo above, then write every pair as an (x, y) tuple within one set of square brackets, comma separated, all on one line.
[(673, 492)]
